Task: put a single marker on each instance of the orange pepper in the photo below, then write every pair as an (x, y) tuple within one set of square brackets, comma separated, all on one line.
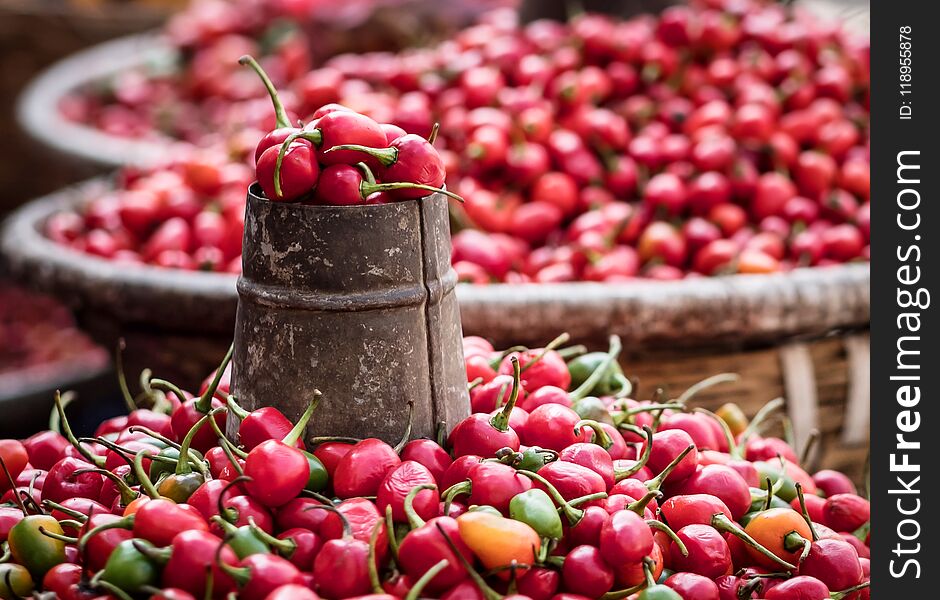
[(498, 541), (770, 528), (135, 504)]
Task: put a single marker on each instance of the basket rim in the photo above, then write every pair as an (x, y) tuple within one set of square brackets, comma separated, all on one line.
[(695, 311), (37, 111)]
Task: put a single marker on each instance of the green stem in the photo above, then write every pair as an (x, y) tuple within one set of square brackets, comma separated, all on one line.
[(600, 436), (284, 547), (235, 409), (487, 592), (298, 430), (12, 483), (64, 509), (390, 527), (122, 377), (573, 514), (415, 521), (640, 505), (453, 491), (415, 592), (585, 388), (705, 384), (280, 114), (558, 341), (385, 156), (57, 536), (500, 420), (94, 459), (204, 403), (849, 591), (620, 475), (724, 524), (660, 526), (374, 579), (759, 418), (805, 512), (151, 433), (576, 502), (733, 449), (55, 423), (128, 495), (656, 482), (96, 581), (407, 433), (145, 484), (123, 523)]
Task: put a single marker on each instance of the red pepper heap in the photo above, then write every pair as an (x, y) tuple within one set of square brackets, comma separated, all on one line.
[(558, 486)]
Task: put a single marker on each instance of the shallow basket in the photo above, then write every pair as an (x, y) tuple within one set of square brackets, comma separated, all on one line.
[(801, 335)]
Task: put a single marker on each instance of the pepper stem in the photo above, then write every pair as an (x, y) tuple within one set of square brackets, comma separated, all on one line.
[(12, 482), (656, 482), (91, 457), (65, 509), (311, 136), (57, 536), (54, 422), (374, 580), (589, 498), (241, 575), (558, 341), (284, 547), (223, 510), (407, 434), (158, 555), (600, 436), (435, 129), (729, 437), (128, 495), (145, 484), (660, 526), (123, 523), (706, 383), (640, 505), (620, 475), (453, 491), (724, 524), (500, 420), (386, 156), (390, 527), (849, 591), (367, 189), (415, 521), (415, 592), (96, 581), (280, 114), (204, 404), (572, 514), (236, 410), (298, 430), (758, 419), (347, 527), (182, 464), (589, 384), (488, 592), (122, 377)]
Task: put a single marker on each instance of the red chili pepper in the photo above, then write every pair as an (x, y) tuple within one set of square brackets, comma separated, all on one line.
[(72, 508), (206, 497), (265, 423), (63, 483), (484, 434), (297, 513), (292, 591), (158, 521), (191, 556), (540, 367), (586, 573), (587, 531), (846, 512), (362, 517), (425, 546), (330, 453), (111, 426), (99, 543), (721, 481), (539, 583), (834, 562), (689, 509), (362, 469), (144, 417), (552, 426), (9, 516), (571, 480), (341, 569), (592, 457), (44, 449), (490, 483), (217, 460), (237, 510), (691, 585), (459, 470), (625, 538), (429, 454), (399, 482), (257, 575), (64, 580), (410, 158), (708, 552), (665, 447)]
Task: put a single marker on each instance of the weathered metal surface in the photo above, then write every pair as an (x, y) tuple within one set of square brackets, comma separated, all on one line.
[(357, 302)]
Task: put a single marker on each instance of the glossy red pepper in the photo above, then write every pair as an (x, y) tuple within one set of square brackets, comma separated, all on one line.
[(191, 555), (159, 521), (45, 449), (63, 483), (331, 453), (399, 482), (427, 453), (361, 470), (484, 434), (425, 546), (492, 484)]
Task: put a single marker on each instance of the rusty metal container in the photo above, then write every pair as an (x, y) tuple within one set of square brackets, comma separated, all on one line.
[(358, 302)]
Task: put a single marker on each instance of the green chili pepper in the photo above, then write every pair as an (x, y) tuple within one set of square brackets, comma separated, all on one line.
[(593, 408), (535, 508), (534, 458), (242, 540), (659, 592), (15, 581), (179, 488), (35, 551), (612, 381), (485, 508), (319, 476), (786, 490), (128, 568)]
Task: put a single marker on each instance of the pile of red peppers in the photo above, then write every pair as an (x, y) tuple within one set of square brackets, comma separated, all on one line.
[(560, 485)]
